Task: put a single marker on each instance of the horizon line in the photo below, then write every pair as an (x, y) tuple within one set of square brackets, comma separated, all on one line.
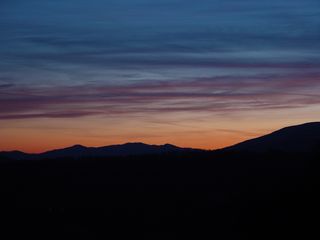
[(150, 144)]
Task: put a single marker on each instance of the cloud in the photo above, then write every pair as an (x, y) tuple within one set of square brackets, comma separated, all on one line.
[(216, 94), (143, 34), (209, 56), (239, 132), (5, 85)]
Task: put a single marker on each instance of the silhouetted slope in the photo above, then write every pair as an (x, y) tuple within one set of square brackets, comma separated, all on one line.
[(300, 138), (15, 155)]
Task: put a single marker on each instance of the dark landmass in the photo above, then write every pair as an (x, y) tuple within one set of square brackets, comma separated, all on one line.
[(302, 138), (82, 152), (234, 193)]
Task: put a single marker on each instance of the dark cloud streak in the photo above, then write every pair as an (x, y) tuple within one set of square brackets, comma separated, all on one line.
[(198, 95)]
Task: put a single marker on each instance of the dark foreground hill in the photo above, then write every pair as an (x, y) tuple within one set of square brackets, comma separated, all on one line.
[(195, 195), (301, 138)]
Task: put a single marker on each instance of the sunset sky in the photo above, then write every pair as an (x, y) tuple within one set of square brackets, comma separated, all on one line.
[(202, 74)]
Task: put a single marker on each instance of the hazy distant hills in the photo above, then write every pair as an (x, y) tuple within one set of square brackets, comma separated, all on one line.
[(79, 151), (114, 150), (301, 138)]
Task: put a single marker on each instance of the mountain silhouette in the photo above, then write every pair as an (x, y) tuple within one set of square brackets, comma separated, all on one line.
[(126, 149), (299, 138), (79, 151)]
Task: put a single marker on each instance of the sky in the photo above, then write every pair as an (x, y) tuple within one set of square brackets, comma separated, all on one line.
[(202, 74)]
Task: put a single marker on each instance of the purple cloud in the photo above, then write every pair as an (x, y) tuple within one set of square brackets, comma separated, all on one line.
[(216, 94)]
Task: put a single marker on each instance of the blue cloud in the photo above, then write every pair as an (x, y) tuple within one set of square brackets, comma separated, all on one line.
[(76, 42)]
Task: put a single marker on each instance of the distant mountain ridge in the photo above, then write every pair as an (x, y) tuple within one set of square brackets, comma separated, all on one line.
[(302, 138), (79, 151)]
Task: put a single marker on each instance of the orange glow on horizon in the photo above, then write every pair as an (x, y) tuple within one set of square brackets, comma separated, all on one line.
[(38, 147), (203, 131), (32, 140)]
